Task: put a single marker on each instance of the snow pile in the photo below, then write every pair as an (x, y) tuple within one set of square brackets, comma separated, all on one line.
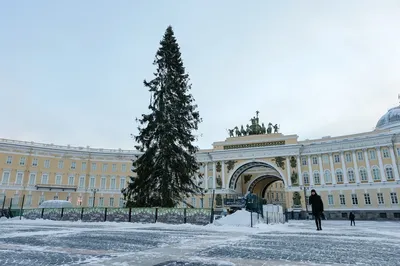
[(239, 218)]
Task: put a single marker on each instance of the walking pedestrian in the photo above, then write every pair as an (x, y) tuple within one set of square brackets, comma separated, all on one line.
[(317, 208), (352, 218)]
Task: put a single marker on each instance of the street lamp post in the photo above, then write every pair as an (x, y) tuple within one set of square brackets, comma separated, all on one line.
[(94, 190)]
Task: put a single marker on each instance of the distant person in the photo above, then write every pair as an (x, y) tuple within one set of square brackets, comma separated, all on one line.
[(352, 218), (317, 208)]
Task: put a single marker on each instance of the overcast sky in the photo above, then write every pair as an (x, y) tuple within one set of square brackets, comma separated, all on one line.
[(71, 72)]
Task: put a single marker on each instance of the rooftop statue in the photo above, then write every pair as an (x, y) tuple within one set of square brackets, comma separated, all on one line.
[(253, 129)]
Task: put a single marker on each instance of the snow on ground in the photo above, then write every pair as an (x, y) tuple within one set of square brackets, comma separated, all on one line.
[(238, 218), (44, 242)]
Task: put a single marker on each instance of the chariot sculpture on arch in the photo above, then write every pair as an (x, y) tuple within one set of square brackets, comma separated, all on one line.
[(254, 128)]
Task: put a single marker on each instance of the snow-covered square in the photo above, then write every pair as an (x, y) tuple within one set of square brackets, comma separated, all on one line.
[(44, 242)]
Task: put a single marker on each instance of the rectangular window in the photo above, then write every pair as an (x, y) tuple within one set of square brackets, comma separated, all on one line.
[(385, 153), (112, 183), (209, 202), (19, 178), (35, 162), (101, 201), (82, 182), (73, 165), (114, 167), (342, 200), (32, 179), (337, 158), (111, 202), (46, 163), (314, 160), (45, 179), (363, 174), (121, 202), (348, 157), (9, 160), (354, 199), (6, 178), (92, 182), (380, 198), (194, 202), (103, 183), (28, 200), (84, 165), (367, 199), (303, 160), (60, 164), (94, 166), (58, 179), (71, 180), (15, 200), (350, 174), (105, 167), (389, 173), (360, 155), (22, 161), (122, 183), (123, 167), (394, 198), (90, 204), (41, 199), (372, 155), (330, 200)]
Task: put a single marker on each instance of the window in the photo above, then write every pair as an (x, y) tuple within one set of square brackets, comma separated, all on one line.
[(360, 155), (105, 167), (45, 179), (325, 158), (194, 202), (380, 198), (354, 199), (363, 174), (41, 199), (94, 166), (103, 183), (330, 200), (314, 160), (15, 200), (306, 178), (73, 165), (342, 200), (28, 200), (123, 167), (122, 183), (92, 182), (32, 179), (111, 202), (84, 165), (376, 174), (90, 204), (337, 158), (6, 178), (35, 162), (81, 182), (317, 179), (367, 199), (55, 197), (339, 176), (19, 178), (58, 179), (385, 153), (46, 163), (209, 202), (389, 172), (398, 151), (303, 161), (350, 174), (393, 197), (9, 160), (121, 202), (101, 201), (22, 161), (112, 183), (372, 155), (60, 164), (327, 176), (114, 167), (348, 157), (71, 180)]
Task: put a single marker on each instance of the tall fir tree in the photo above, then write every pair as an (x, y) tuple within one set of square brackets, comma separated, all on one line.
[(165, 170)]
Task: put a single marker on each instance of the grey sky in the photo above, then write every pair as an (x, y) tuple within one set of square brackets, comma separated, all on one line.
[(72, 72)]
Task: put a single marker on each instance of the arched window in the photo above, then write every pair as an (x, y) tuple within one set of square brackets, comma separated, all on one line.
[(339, 176), (363, 174), (389, 172), (306, 178), (328, 177), (350, 175), (375, 173), (317, 179)]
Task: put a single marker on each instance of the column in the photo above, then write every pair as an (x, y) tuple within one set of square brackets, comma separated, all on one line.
[(394, 164), (368, 166), (321, 170), (310, 173), (214, 176), (196, 176), (289, 179), (332, 169), (345, 179), (223, 174), (206, 175), (357, 173), (299, 171), (381, 167)]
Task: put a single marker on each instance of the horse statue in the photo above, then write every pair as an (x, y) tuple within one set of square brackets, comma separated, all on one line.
[(276, 128), (269, 129), (263, 129), (243, 131), (231, 131), (237, 132)]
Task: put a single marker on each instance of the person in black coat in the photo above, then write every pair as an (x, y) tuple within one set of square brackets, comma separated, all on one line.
[(317, 208), (352, 218)]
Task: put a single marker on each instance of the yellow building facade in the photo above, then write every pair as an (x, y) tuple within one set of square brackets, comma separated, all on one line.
[(357, 172)]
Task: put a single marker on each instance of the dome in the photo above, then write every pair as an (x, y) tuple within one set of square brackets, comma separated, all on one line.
[(390, 119)]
